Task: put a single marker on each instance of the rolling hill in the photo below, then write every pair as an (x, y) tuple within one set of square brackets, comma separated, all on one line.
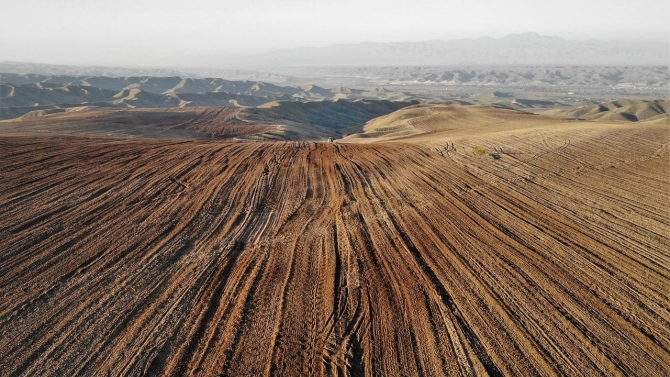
[(20, 92), (18, 100), (435, 123), (181, 85), (273, 121), (620, 110), (481, 241)]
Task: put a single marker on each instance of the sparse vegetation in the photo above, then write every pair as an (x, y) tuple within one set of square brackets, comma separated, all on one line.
[(479, 150)]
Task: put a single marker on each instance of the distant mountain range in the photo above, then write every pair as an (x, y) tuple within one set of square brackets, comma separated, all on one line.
[(16, 67), (517, 77), (526, 48), (348, 82)]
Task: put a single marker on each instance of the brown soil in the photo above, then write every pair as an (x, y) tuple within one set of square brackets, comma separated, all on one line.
[(545, 255), (169, 123)]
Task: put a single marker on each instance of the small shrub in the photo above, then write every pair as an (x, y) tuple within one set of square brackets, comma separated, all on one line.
[(479, 150)]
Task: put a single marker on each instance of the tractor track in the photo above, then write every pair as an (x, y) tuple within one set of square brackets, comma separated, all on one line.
[(215, 258)]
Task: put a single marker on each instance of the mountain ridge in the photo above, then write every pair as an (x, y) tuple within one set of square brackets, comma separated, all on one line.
[(524, 48)]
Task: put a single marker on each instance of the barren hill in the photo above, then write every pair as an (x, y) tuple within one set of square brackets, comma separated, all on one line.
[(181, 85), (620, 110), (17, 100), (275, 121), (489, 242), (435, 123), (23, 93)]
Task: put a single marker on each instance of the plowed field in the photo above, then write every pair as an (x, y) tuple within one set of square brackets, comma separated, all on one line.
[(546, 255), (193, 122)]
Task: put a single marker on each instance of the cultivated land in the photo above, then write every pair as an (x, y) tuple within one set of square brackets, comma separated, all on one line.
[(448, 240)]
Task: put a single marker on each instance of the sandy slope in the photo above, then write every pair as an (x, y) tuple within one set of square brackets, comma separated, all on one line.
[(622, 110), (128, 257), (437, 123)]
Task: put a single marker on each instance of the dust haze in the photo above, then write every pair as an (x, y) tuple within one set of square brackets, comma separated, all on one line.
[(304, 188), (151, 32)]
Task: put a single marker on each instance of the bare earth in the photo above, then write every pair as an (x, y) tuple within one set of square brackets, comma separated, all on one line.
[(527, 251)]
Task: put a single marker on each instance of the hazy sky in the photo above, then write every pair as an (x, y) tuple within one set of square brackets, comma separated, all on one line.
[(138, 31)]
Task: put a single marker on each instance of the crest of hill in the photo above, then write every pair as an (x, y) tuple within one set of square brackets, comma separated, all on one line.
[(34, 95), (314, 89), (655, 111), (436, 123)]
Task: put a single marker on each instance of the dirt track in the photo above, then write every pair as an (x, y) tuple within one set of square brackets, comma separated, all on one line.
[(164, 257)]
